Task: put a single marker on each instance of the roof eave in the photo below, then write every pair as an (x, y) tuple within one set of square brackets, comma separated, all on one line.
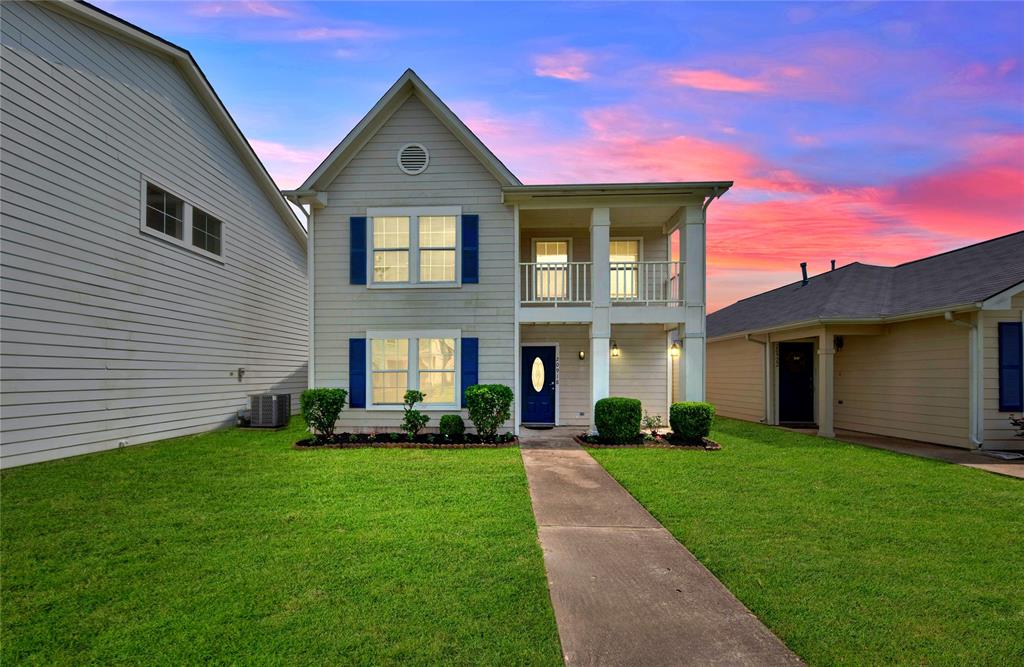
[(406, 85), (832, 321), (201, 85)]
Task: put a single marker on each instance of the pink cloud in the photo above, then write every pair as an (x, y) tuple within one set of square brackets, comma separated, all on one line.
[(287, 164), (348, 32), (774, 218), (714, 80), (567, 64), (250, 8)]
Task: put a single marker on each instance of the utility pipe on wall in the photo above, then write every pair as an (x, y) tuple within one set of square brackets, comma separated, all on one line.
[(975, 366)]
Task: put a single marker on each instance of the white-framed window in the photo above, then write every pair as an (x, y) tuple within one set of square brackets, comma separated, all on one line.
[(172, 218), (425, 360), (625, 255), (414, 247), (552, 257)]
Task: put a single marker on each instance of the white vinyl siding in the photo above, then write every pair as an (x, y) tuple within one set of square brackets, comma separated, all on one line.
[(110, 334), (342, 311)]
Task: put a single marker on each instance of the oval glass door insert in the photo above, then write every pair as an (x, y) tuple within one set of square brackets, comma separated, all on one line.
[(537, 375)]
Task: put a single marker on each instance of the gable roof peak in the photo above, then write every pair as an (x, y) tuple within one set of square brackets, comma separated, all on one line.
[(408, 84)]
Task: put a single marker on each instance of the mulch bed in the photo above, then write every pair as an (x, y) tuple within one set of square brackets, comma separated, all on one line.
[(386, 441), (661, 442)]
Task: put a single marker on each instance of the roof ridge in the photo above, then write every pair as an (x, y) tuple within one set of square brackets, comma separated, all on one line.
[(961, 248)]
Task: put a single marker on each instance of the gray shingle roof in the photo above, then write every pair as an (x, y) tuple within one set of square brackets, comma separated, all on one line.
[(857, 291)]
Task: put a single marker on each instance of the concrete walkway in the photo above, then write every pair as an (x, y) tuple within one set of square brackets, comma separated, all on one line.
[(625, 592), (965, 457)]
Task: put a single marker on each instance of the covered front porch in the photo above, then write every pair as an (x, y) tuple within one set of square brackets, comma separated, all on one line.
[(562, 372), (610, 292)]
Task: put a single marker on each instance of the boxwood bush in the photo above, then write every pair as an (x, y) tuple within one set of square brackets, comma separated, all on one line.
[(321, 408), (452, 426), (691, 420), (490, 406), (618, 419)]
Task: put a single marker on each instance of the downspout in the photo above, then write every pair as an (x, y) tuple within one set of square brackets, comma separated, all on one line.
[(310, 277), (767, 366), (974, 409)]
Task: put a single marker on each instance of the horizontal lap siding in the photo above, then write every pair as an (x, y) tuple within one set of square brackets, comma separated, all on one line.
[(110, 334), (641, 369), (573, 372), (484, 310), (735, 378), (910, 382), (999, 433)]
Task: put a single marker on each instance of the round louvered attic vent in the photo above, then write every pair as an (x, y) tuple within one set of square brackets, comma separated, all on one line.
[(413, 158)]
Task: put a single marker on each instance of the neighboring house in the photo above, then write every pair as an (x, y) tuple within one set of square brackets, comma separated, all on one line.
[(435, 268), (147, 256), (928, 350)]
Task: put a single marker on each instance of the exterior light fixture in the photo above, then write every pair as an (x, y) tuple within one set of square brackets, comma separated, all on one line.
[(583, 355), (674, 350), (615, 349)]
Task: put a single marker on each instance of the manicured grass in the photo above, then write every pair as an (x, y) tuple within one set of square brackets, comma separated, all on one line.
[(851, 555), (231, 547)]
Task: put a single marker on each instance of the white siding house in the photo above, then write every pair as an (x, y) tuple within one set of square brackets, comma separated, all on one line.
[(147, 256), (435, 268)]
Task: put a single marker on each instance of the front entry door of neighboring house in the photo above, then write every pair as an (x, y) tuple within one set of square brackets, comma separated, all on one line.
[(538, 384), (796, 383)]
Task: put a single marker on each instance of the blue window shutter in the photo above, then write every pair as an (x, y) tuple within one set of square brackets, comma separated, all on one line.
[(1011, 373), (471, 249), (357, 251), (470, 365), (357, 372)]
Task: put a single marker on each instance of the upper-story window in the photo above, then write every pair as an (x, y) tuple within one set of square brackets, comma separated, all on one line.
[(391, 249), (172, 218), (206, 231), (165, 213), (414, 246)]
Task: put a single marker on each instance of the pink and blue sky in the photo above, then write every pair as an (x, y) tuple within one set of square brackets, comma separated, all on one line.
[(873, 132)]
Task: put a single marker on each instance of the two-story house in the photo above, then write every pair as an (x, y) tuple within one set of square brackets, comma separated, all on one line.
[(432, 266)]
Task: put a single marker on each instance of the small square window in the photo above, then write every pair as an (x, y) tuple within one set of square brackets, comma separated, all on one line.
[(206, 231), (164, 212)]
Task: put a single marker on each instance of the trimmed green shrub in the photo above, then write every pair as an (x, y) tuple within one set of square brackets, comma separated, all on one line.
[(691, 421), (321, 408), (618, 419), (414, 420), (490, 406), (452, 426)]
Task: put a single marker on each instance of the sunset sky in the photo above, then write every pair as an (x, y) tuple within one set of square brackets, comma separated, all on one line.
[(873, 132)]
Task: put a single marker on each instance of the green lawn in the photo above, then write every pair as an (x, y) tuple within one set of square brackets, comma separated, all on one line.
[(231, 547), (851, 555)]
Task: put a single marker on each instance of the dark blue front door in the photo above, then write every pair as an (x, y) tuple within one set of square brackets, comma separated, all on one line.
[(538, 384)]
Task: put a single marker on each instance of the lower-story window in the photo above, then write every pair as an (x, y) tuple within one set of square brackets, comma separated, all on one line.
[(427, 361)]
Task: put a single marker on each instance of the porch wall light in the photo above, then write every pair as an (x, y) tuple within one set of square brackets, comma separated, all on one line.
[(615, 349), (675, 350), (583, 355)]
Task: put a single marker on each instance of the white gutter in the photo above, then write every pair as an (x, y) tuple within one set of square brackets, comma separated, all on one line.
[(975, 342)]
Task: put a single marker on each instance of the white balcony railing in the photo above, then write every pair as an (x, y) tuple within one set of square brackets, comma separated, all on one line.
[(631, 283), (646, 283), (553, 284)]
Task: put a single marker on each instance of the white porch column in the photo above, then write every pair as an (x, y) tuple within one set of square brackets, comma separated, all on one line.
[(826, 382), (600, 303), (694, 292)]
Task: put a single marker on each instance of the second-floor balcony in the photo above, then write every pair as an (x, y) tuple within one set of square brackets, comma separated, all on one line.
[(657, 283)]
